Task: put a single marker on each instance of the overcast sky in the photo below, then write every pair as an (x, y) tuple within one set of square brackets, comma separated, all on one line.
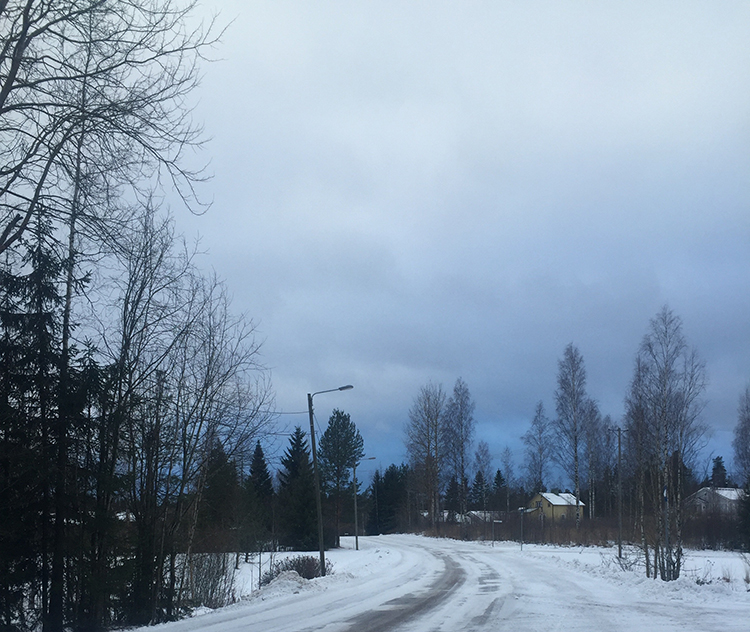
[(408, 192)]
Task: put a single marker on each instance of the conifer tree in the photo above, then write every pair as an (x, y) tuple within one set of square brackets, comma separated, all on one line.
[(260, 476), (219, 502), (479, 493), (341, 448), (497, 493), (297, 513), (389, 512), (718, 473), (259, 504), (452, 503)]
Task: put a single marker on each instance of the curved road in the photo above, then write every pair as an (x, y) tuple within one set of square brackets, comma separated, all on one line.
[(441, 585)]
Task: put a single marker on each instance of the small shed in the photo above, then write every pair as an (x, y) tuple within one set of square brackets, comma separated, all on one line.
[(555, 506)]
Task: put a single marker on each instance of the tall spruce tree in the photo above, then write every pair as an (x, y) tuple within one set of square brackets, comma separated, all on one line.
[(297, 513), (718, 473), (451, 502), (259, 504), (389, 512), (497, 493), (219, 515), (479, 494)]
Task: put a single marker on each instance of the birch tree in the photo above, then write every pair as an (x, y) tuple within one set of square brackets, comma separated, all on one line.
[(664, 409), (538, 442), (574, 408), (104, 80), (506, 459), (458, 437), (424, 444), (593, 450), (741, 441)]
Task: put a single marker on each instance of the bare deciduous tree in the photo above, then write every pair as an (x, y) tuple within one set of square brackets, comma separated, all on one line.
[(593, 449), (539, 443), (135, 62), (458, 436), (423, 443), (741, 441), (483, 461), (506, 459), (664, 409), (574, 408)]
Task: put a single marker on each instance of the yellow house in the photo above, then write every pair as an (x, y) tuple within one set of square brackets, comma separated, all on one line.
[(555, 506)]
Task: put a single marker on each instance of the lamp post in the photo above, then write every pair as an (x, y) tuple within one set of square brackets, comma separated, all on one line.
[(356, 526), (521, 511), (318, 501), (619, 493)]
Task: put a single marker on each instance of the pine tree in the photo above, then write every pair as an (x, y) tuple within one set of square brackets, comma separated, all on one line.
[(341, 448)]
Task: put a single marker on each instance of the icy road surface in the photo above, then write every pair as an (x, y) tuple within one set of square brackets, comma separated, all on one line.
[(418, 584)]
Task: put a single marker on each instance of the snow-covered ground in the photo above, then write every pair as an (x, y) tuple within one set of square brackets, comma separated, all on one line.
[(416, 584)]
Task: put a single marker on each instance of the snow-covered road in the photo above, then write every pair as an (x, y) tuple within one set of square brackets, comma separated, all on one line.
[(416, 584)]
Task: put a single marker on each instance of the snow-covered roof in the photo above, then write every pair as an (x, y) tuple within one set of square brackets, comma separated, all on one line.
[(560, 499), (705, 494), (730, 493)]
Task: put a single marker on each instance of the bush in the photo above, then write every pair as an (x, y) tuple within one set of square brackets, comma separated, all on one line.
[(306, 566), (211, 579)]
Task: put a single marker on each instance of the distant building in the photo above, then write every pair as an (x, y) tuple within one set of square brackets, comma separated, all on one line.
[(724, 501), (554, 506), (483, 517)]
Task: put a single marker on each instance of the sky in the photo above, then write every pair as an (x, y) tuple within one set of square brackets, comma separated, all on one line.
[(413, 192)]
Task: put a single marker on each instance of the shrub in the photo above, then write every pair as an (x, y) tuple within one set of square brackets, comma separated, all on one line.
[(211, 579), (306, 566)]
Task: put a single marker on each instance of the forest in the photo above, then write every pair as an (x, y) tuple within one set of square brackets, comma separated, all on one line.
[(126, 381)]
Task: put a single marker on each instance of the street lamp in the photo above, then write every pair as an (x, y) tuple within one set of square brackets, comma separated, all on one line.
[(317, 475), (356, 527)]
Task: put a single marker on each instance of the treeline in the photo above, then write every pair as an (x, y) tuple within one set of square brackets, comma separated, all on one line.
[(648, 461), (249, 510), (125, 380)]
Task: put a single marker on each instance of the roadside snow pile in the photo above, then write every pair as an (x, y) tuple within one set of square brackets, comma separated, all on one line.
[(288, 582), (707, 575)]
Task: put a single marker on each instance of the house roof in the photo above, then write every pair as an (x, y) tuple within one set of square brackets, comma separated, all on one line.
[(730, 493), (560, 499)]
